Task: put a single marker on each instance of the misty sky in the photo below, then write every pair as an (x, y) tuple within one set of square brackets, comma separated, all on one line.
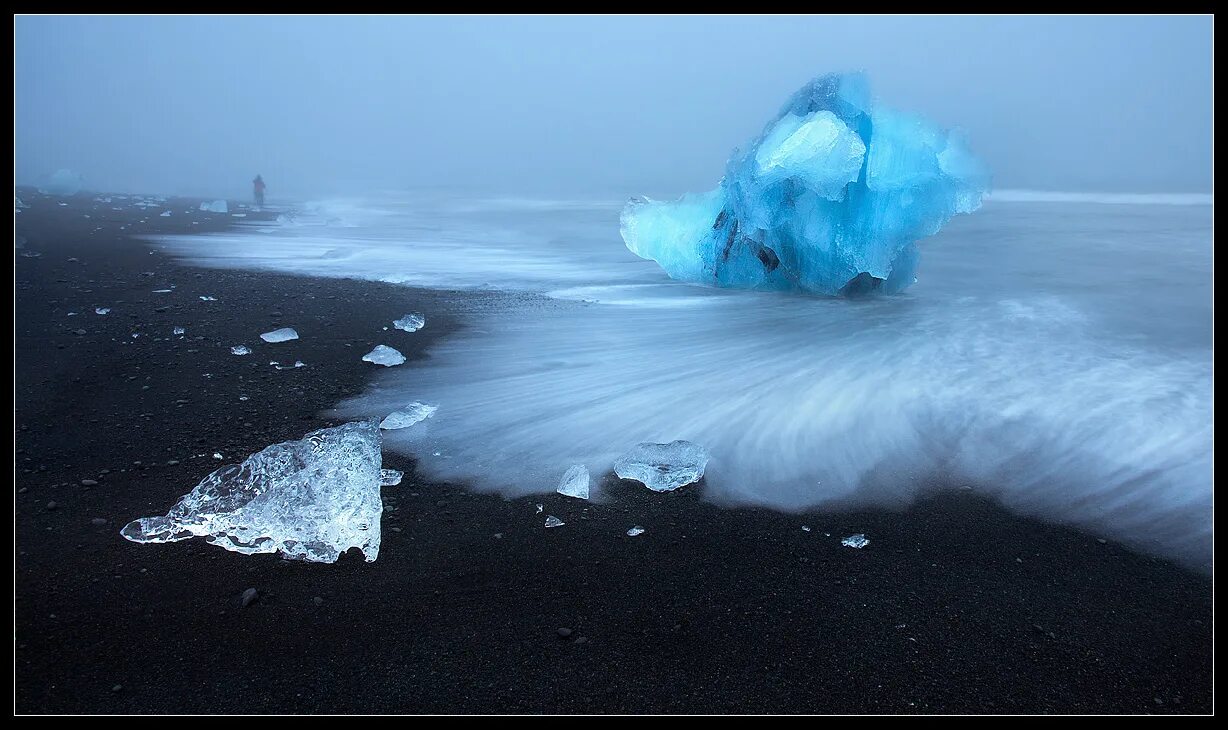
[(587, 105)]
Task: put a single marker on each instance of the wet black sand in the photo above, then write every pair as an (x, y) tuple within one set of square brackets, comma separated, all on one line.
[(955, 606)]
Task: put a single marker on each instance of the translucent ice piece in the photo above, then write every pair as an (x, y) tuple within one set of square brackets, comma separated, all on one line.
[(574, 482), (240, 350), (311, 499), (552, 521), (384, 355), (390, 477), (217, 206), (102, 310), (282, 335), (178, 331), (409, 415), (663, 467), (855, 541), (208, 299), (165, 214), (410, 322), (637, 530)]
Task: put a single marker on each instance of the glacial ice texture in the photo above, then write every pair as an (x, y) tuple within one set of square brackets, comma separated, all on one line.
[(282, 335), (410, 322), (384, 355), (830, 199), (311, 499), (663, 467), (408, 416), (574, 482)]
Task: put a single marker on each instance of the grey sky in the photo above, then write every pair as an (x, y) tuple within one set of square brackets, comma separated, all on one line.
[(328, 105)]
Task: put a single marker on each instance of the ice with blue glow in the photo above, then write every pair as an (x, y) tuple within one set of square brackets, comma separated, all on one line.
[(830, 199)]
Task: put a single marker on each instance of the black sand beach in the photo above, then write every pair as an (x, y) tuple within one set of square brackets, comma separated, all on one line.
[(956, 606)]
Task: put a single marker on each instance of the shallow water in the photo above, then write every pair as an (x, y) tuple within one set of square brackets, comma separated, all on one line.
[(1055, 352)]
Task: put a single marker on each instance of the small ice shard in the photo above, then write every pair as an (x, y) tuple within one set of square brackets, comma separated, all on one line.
[(217, 456), (179, 331), (855, 541), (102, 310), (217, 206), (552, 521), (165, 214), (238, 215), (311, 499), (574, 482), (390, 477), (831, 198), (637, 530), (409, 415), (17, 204), (805, 528), (208, 299), (282, 335), (540, 507), (663, 467), (410, 322), (297, 364), (384, 355), (31, 254), (240, 350), (162, 291), (63, 182)]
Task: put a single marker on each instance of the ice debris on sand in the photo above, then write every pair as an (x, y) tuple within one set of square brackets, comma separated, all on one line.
[(311, 499), (634, 531), (282, 335), (384, 355), (165, 214), (855, 541), (409, 415), (390, 477), (552, 521), (63, 182), (663, 467), (830, 199), (102, 310), (410, 322), (178, 331), (574, 482), (240, 350), (279, 366), (208, 299), (217, 206)]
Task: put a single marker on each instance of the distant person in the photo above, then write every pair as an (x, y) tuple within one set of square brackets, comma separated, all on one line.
[(258, 191)]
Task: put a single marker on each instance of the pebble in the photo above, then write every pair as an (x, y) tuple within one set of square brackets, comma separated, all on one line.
[(51, 505), (564, 632), (318, 601), (99, 521), (117, 688), (89, 483), (249, 597)]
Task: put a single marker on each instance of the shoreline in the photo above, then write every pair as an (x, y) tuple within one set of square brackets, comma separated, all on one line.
[(955, 606)]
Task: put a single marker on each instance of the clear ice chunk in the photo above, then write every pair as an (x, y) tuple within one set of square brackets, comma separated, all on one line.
[(311, 499), (240, 350), (552, 521), (384, 355), (574, 482), (208, 299), (409, 415), (165, 214), (282, 335), (102, 310), (831, 198), (179, 331), (663, 467), (390, 477), (637, 530), (410, 322), (855, 541), (217, 206)]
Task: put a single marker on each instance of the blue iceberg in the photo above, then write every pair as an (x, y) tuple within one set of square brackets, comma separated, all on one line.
[(830, 199)]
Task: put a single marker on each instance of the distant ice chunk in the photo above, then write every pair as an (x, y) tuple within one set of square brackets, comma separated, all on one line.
[(165, 214), (855, 541), (178, 331), (217, 206), (663, 467), (384, 355), (410, 322), (102, 310), (240, 350), (552, 521), (282, 335), (63, 182), (390, 477), (279, 366), (18, 205), (208, 299), (830, 198), (574, 482), (634, 531), (311, 499), (409, 415)]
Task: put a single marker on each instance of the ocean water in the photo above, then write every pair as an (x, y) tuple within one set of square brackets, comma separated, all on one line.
[(1055, 353)]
